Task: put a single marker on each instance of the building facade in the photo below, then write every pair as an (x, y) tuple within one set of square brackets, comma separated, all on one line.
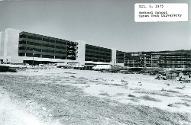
[(35, 45), (31, 48), (133, 60), (120, 56), (163, 59), (97, 54), (25, 47), (175, 60)]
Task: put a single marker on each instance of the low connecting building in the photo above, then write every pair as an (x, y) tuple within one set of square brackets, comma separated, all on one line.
[(163, 59), (24, 47)]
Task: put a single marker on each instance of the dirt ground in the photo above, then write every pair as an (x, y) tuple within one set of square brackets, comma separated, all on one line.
[(65, 104)]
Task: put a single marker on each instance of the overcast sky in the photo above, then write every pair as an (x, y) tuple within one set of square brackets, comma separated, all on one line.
[(108, 23)]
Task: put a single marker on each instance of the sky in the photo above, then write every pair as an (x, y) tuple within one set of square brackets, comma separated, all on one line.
[(107, 23)]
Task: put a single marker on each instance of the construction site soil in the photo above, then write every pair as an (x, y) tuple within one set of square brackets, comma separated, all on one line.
[(65, 104)]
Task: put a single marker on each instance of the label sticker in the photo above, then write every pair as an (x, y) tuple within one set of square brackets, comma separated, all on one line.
[(161, 12)]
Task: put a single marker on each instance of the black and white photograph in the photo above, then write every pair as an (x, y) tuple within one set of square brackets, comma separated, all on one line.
[(95, 62)]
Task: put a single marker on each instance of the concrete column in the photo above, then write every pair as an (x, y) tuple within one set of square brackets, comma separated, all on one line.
[(113, 57), (11, 42), (81, 52), (1, 46)]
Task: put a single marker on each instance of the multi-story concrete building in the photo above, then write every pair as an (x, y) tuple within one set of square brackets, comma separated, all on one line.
[(175, 60), (25, 47), (163, 59), (133, 59), (35, 45), (120, 56), (97, 54)]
